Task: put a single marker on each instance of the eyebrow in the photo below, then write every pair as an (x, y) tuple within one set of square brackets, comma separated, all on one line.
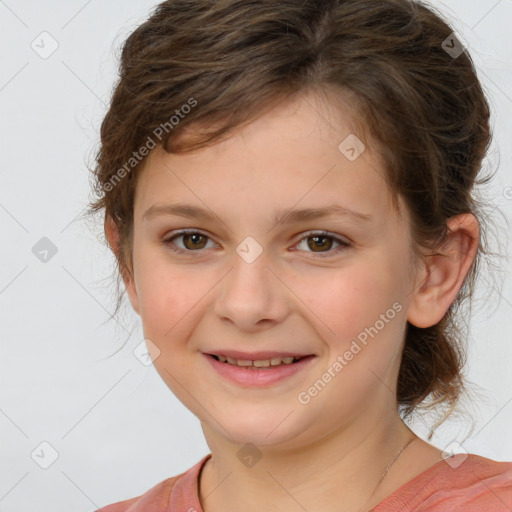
[(282, 216)]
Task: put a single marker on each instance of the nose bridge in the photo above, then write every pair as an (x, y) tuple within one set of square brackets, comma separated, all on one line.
[(250, 293)]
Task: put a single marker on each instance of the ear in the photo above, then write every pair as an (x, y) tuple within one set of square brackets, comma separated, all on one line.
[(444, 272), (112, 235)]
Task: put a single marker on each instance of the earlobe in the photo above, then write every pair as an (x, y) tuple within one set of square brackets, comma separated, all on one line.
[(112, 235), (444, 272)]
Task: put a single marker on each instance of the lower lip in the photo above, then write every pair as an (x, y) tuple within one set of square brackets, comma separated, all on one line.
[(252, 376)]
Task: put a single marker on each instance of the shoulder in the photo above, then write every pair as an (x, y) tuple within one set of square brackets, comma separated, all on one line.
[(159, 498), (480, 483), (467, 482), (466, 470)]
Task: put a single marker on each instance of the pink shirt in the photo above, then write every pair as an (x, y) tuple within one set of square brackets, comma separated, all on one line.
[(478, 484)]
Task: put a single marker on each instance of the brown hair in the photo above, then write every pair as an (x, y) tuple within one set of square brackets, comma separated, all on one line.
[(221, 61)]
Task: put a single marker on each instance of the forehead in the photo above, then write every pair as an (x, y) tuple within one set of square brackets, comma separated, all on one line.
[(298, 152)]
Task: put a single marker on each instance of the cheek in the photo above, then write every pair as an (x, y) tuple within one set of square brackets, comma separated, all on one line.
[(347, 301), (170, 297), (171, 305)]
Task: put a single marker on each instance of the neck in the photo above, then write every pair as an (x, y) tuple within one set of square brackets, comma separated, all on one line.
[(340, 472)]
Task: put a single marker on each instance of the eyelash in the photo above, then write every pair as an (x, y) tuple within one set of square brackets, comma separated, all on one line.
[(310, 234)]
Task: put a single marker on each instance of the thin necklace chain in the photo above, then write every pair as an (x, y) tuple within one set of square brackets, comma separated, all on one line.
[(396, 457), (388, 467)]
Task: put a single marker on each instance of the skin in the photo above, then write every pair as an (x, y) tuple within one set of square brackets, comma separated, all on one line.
[(330, 453)]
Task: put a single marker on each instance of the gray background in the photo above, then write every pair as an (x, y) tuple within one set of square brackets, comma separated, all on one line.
[(116, 428)]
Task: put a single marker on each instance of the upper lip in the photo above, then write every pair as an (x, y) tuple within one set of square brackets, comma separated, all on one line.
[(255, 356)]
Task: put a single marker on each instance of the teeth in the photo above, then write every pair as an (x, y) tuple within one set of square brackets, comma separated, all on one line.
[(260, 363), (263, 362), (243, 362)]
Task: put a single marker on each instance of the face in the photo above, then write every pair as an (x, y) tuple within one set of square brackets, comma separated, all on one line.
[(332, 290)]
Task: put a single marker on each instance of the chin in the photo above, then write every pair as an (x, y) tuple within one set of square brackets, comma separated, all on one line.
[(269, 430)]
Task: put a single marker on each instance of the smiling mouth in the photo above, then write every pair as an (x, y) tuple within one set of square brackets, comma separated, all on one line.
[(258, 363)]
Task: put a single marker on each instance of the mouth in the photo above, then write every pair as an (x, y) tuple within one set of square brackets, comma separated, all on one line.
[(261, 364), (261, 369)]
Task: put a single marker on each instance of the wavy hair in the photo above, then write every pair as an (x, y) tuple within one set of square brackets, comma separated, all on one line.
[(419, 103)]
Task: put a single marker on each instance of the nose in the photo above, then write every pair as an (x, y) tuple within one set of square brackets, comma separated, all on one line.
[(252, 295)]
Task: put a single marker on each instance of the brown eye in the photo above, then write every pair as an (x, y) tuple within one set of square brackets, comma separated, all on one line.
[(192, 241), (319, 242)]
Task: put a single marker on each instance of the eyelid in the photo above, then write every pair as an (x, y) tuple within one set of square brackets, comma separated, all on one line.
[(322, 232)]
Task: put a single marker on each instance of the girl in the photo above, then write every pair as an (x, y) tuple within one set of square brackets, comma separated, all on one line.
[(287, 188)]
